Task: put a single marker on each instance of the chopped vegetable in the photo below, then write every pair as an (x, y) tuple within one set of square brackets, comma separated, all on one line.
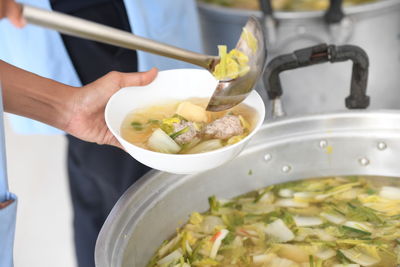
[(217, 239), (206, 146), (178, 133), (192, 112), (359, 256), (250, 39), (231, 65), (358, 227), (390, 192), (235, 139), (291, 203), (279, 232), (196, 218), (176, 255), (161, 142), (325, 254), (137, 126), (304, 221), (333, 218), (264, 258), (346, 265), (284, 225), (287, 193)]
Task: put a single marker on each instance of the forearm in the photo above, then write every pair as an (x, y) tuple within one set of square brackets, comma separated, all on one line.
[(35, 97)]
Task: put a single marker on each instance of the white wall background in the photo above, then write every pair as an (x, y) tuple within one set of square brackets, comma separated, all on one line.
[(37, 174)]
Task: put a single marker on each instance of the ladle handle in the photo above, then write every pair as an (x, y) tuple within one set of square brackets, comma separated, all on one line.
[(97, 32), (320, 54)]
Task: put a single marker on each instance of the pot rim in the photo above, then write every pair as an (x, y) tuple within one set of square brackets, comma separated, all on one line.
[(286, 15)]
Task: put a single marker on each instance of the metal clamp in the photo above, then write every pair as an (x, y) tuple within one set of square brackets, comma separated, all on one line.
[(320, 54)]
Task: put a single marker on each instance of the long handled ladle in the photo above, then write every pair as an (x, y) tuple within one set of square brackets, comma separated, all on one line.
[(226, 95)]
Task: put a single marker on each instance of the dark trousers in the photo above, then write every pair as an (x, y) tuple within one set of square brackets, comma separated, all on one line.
[(98, 174)]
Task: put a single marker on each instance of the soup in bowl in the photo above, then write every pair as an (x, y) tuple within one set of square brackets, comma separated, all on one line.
[(164, 125)]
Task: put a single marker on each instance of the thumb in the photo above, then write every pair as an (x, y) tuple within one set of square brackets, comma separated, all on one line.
[(14, 14), (138, 78)]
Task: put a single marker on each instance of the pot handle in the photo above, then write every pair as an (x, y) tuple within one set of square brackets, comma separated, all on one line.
[(335, 13), (357, 99)]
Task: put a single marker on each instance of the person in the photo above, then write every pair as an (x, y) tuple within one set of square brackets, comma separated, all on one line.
[(78, 111), (98, 175)]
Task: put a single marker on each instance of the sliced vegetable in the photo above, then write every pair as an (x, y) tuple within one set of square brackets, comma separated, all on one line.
[(293, 252), (333, 218), (235, 139), (305, 221), (173, 256), (192, 112), (325, 254), (196, 218), (161, 142), (250, 39), (291, 203), (231, 65), (137, 125), (346, 265), (206, 146), (304, 196), (358, 227), (178, 133), (286, 193), (390, 192), (279, 232), (217, 239), (244, 122), (264, 258), (359, 256)]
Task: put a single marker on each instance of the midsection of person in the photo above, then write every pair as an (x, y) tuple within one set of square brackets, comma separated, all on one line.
[(98, 175)]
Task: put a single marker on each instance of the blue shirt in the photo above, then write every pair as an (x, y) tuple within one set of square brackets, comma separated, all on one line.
[(7, 214)]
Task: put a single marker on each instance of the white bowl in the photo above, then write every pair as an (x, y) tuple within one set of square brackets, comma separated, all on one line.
[(179, 84)]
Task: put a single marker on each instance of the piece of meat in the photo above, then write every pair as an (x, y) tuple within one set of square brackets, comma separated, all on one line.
[(188, 136), (224, 128)]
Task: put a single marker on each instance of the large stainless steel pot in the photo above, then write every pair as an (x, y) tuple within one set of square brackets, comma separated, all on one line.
[(352, 143), (285, 149), (374, 26)]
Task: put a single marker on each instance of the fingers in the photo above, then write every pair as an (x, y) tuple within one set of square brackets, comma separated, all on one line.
[(138, 79), (14, 13), (114, 142)]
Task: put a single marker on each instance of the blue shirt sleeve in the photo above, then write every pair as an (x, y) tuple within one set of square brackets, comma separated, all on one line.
[(7, 231)]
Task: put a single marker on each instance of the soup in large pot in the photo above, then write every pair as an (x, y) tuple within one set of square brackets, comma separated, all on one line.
[(336, 221)]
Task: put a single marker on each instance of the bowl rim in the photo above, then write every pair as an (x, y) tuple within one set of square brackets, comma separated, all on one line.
[(260, 109)]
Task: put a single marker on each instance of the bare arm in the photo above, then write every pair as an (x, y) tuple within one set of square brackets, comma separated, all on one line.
[(78, 111)]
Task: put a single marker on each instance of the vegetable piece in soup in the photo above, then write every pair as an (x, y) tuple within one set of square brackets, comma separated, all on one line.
[(329, 222), (185, 127)]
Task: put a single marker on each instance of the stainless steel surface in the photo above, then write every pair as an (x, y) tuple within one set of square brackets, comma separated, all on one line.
[(97, 32), (375, 27), (229, 94), (351, 143), (226, 95)]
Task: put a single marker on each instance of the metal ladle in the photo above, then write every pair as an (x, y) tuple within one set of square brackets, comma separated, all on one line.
[(226, 95)]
